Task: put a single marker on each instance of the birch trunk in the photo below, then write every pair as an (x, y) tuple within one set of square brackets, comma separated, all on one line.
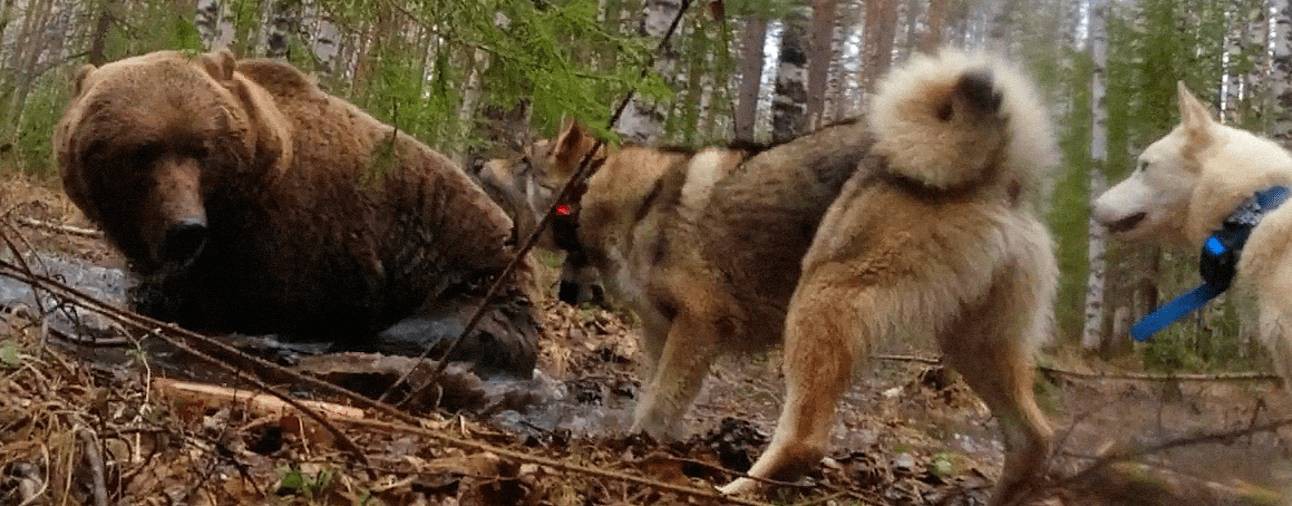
[(822, 53), (284, 15), (1280, 85), (643, 120), (789, 106), (207, 22), (752, 42), (1092, 332)]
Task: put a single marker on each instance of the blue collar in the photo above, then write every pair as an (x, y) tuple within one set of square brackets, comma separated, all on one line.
[(1218, 262)]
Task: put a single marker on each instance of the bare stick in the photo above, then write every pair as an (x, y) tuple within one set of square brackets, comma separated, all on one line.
[(94, 459), (1123, 376), (59, 227)]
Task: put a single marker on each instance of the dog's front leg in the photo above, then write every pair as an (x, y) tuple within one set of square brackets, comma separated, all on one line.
[(688, 351)]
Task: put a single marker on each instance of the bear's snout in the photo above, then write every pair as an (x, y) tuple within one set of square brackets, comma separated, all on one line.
[(184, 241)]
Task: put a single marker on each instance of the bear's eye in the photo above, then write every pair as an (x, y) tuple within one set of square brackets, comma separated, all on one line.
[(1143, 166), (94, 150), (145, 154)]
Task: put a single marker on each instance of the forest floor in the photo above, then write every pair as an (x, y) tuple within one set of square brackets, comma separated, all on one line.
[(112, 423)]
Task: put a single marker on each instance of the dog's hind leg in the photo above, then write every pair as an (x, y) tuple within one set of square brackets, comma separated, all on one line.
[(824, 339), (688, 352), (990, 347)]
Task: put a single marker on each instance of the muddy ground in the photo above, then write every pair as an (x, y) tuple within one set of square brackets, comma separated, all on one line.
[(81, 421)]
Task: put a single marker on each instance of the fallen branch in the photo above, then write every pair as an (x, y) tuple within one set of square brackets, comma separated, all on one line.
[(1140, 483), (94, 460), (59, 227), (256, 403), (1130, 376), (1122, 376)]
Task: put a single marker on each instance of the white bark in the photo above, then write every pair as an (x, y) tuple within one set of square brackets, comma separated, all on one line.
[(643, 120), (1258, 35), (283, 15), (1092, 333), (1280, 88), (1232, 85), (323, 35), (471, 94), (207, 22)]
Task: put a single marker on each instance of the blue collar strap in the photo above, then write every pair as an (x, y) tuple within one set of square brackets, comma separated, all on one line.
[(1218, 262)]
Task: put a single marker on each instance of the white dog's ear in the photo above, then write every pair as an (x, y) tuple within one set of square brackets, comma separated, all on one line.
[(1194, 115)]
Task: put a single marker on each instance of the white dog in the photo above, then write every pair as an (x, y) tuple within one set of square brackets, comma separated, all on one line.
[(1189, 183)]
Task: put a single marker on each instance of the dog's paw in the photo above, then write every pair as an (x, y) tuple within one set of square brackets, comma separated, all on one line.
[(741, 486)]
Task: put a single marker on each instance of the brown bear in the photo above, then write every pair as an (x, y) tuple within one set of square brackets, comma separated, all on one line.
[(246, 199)]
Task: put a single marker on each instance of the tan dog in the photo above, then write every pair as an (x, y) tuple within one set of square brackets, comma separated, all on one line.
[(703, 246), (1188, 182), (939, 237)]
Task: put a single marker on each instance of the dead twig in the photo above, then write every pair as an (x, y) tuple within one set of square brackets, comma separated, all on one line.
[(1124, 376), (94, 460), (59, 228)]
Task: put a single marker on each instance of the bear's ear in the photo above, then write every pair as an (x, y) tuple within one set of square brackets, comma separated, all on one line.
[(219, 64), (78, 81), (272, 132)]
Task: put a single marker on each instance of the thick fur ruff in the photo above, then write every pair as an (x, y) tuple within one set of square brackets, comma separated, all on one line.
[(945, 120)]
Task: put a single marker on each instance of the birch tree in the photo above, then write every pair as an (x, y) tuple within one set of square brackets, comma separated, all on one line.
[(285, 15), (207, 22), (789, 106), (1280, 81), (821, 56), (643, 119), (1092, 331)]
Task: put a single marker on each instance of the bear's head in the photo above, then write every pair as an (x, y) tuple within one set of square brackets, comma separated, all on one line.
[(148, 145)]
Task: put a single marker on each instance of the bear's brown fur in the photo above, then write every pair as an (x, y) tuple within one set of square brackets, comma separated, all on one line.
[(314, 219)]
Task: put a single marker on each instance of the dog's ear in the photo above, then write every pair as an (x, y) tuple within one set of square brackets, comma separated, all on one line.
[(1195, 116), (570, 146)]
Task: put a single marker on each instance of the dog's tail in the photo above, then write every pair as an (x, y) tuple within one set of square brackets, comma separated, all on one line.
[(957, 119)]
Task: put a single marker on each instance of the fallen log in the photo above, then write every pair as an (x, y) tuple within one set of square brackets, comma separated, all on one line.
[(260, 404), (1144, 484)]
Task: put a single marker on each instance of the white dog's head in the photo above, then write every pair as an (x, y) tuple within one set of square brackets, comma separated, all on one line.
[(1153, 202), (1189, 180)]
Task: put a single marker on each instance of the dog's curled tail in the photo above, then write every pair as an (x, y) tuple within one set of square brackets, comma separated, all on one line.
[(956, 119)]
